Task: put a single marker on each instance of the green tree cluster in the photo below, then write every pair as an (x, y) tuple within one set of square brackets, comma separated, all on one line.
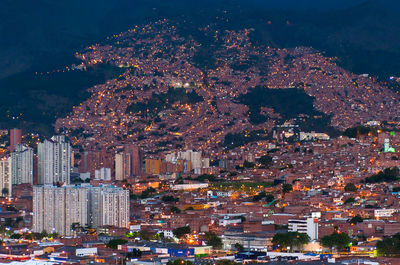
[(389, 247), (113, 243), (265, 160), (387, 175), (349, 200), (290, 239), (340, 241), (168, 199), (213, 240), (175, 209), (356, 219), (180, 232), (263, 196), (350, 187), (286, 188)]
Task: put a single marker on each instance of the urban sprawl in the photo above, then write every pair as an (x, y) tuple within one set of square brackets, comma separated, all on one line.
[(182, 159)]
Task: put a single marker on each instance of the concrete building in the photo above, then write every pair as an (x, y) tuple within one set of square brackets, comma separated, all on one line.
[(122, 166), (193, 159), (384, 213), (54, 161), (5, 176), (153, 166), (307, 226), (22, 165), (108, 205), (15, 138), (55, 209), (103, 173), (136, 159)]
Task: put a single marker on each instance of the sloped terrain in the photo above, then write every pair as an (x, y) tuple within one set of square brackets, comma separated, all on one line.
[(191, 91)]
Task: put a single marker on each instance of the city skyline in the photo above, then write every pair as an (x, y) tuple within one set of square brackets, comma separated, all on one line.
[(200, 132)]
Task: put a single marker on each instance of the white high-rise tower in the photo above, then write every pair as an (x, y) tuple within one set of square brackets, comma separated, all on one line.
[(56, 209), (5, 176), (22, 165), (54, 161)]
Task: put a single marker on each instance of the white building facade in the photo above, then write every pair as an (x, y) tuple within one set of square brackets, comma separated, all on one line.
[(308, 225), (56, 209), (5, 176), (22, 165), (54, 161)]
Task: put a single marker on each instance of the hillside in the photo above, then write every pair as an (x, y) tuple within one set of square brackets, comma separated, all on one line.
[(193, 91), (361, 35)]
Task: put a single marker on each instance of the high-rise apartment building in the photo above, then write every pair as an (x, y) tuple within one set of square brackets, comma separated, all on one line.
[(5, 176), (22, 165), (136, 159), (103, 173), (54, 161), (109, 205), (122, 166), (15, 138), (128, 163), (56, 209)]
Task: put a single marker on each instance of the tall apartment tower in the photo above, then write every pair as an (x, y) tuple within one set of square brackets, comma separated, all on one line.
[(122, 166), (22, 165), (55, 209), (5, 176), (109, 205), (103, 173), (54, 161), (136, 159), (15, 138)]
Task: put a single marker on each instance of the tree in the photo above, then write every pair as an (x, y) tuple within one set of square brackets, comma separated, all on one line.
[(290, 239), (54, 235), (4, 192), (169, 198), (146, 193), (159, 236), (387, 175), (113, 243), (350, 187), (338, 240), (213, 240), (248, 164), (76, 226), (239, 247), (269, 198), (264, 196), (265, 160), (175, 209), (350, 200), (396, 189), (15, 236), (356, 219), (44, 234), (389, 246), (259, 196), (286, 188), (181, 231)]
